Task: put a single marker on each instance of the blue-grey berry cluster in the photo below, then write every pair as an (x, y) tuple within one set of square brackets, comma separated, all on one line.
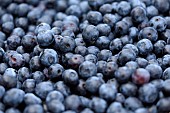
[(84, 56)]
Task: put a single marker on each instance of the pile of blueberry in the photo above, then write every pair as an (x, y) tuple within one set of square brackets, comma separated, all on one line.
[(84, 56)]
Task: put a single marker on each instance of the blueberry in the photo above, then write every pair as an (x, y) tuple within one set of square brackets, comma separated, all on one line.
[(22, 9), (37, 50), (29, 85), (74, 10), (45, 38), (48, 57), (132, 103), (30, 99), (62, 87), (2, 52), (162, 6), (168, 21), (42, 27), (69, 103), (13, 97), (12, 8), (66, 57), (104, 29), (93, 50), (55, 106), (123, 74), (166, 89), (105, 8), (158, 22), (109, 69), (98, 105), (73, 18), (167, 49), (120, 98), (87, 110), (38, 76), (151, 11), (101, 66), (13, 41), (29, 42), (159, 47), (165, 35), (163, 105), (21, 22), (128, 21), (34, 63), (141, 110), (7, 18), (87, 69), (43, 88), (84, 6), (116, 107), (34, 14), (138, 14), (144, 46), (34, 108), (94, 17), (107, 92), (104, 54), (94, 4), (8, 27), (121, 28), (56, 30), (110, 19), (165, 60), (142, 63), (123, 8), (20, 50), (148, 93), (16, 60), (126, 40), (115, 45), (141, 76), (55, 70), (70, 77), (93, 84), (133, 32), (69, 28), (75, 61), (55, 95), (67, 44), (114, 82), (90, 34), (155, 71), (132, 47), (126, 55), (166, 74), (12, 110), (128, 89), (2, 90), (102, 42), (57, 40), (148, 33), (90, 57), (85, 102), (158, 84), (10, 78), (113, 58), (23, 74), (132, 65), (80, 89), (80, 42)]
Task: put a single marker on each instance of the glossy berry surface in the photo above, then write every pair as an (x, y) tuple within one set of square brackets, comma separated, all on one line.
[(84, 56)]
